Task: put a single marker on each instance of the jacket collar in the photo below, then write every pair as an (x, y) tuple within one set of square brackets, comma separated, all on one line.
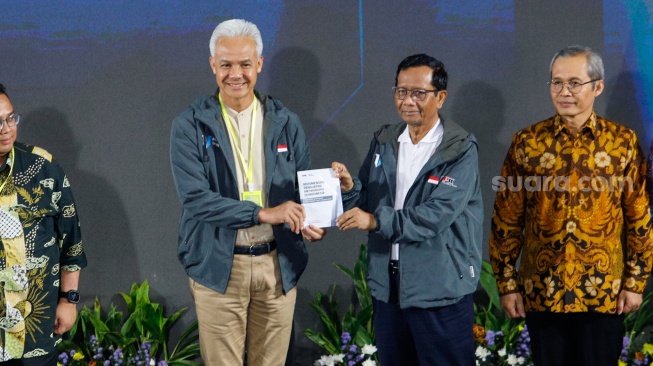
[(453, 141)]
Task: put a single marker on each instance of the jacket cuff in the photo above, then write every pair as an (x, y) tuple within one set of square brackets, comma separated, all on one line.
[(255, 219), (354, 191), (378, 223)]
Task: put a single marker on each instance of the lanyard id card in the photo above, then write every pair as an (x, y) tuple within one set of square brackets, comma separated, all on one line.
[(254, 196)]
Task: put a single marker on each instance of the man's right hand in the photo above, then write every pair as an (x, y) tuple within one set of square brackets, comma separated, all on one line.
[(346, 183), (289, 212), (513, 305)]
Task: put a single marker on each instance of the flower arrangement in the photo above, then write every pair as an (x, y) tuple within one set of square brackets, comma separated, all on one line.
[(352, 356), (499, 339), (110, 356), (101, 338), (348, 340), (638, 342)]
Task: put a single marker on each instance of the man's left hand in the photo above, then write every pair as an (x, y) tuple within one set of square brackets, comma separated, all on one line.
[(628, 302), (313, 233), (356, 219), (65, 318)]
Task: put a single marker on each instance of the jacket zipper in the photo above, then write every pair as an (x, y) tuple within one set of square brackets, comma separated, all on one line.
[(455, 263)]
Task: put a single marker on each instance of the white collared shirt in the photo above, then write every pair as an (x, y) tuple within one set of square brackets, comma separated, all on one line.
[(412, 158)]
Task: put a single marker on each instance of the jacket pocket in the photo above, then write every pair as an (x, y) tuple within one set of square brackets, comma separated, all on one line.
[(454, 261)]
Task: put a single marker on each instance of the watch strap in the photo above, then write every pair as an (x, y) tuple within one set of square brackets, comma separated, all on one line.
[(72, 296)]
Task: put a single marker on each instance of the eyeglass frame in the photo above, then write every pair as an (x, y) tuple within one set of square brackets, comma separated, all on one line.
[(562, 85), (411, 92), (15, 116)]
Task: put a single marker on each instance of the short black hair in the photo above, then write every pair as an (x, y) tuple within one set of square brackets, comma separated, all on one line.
[(3, 90), (439, 78)]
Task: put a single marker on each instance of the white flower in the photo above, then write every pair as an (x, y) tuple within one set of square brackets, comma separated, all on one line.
[(502, 352), (369, 363), (592, 285), (330, 360), (550, 286), (323, 361), (482, 353), (547, 160), (602, 159), (152, 363), (571, 226), (368, 349), (520, 360), (512, 360)]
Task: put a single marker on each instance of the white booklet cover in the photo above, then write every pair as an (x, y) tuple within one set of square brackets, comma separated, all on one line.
[(319, 191)]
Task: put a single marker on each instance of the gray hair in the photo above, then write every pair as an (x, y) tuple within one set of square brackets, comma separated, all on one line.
[(236, 28), (594, 62)]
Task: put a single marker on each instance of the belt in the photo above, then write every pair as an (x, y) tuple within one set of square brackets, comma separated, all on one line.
[(393, 267), (256, 250)]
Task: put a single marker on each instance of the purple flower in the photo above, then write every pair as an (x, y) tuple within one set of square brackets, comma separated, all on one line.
[(345, 338), (626, 342), (489, 338)]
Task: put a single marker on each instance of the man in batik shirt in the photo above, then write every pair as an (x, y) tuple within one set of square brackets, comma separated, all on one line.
[(572, 200), (41, 249)]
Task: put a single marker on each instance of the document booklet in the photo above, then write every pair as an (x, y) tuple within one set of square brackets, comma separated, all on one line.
[(319, 191)]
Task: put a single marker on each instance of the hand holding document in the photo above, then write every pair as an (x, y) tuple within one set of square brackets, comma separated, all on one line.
[(319, 192)]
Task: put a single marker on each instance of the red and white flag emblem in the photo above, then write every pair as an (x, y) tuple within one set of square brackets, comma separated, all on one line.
[(282, 148), (434, 180)]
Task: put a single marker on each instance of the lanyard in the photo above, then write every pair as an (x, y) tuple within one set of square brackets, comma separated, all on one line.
[(250, 169), (11, 169)]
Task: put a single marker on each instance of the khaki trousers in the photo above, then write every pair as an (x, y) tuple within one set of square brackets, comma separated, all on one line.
[(252, 315)]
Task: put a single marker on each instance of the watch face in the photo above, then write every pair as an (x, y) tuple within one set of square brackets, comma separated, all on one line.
[(73, 296)]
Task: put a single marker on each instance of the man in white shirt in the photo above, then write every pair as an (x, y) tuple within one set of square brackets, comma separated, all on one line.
[(418, 195)]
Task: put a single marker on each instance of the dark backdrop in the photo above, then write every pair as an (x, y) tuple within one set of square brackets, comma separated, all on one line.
[(98, 84)]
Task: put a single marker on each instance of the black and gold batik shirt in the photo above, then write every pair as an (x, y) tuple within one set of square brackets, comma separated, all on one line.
[(572, 205), (40, 237)]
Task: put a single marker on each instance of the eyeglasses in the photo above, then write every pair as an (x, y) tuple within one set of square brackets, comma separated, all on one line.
[(416, 94), (573, 86), (11, 121)]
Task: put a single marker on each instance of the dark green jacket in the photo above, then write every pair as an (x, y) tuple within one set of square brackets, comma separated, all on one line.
[(204, 171), (439, 230)]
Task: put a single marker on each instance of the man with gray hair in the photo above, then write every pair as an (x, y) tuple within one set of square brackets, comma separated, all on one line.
[(235, 156), (585, 245)]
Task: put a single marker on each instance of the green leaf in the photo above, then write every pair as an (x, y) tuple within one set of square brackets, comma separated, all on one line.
[(322, 341), (489, 284), (146, 321)]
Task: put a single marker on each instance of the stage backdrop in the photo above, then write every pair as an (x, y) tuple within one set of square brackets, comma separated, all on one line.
[(99, 82)]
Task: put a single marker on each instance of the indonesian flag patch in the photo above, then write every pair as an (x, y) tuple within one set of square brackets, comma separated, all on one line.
[(434, 180), (282, 148)]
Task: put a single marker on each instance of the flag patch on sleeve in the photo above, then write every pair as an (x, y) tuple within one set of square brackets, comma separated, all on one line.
[(282, 148)]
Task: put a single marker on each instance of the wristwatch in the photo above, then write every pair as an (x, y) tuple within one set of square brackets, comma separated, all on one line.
[(72, 296)]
